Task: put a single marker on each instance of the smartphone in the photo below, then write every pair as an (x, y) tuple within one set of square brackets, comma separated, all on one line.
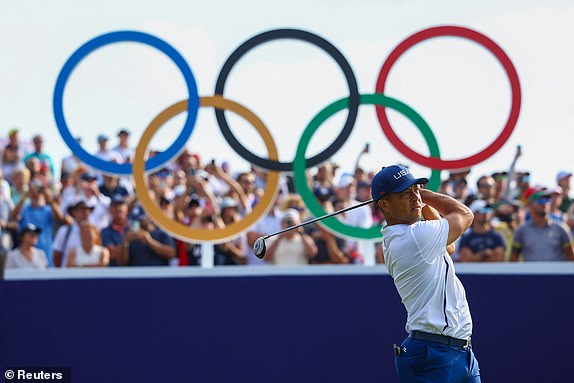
[(135, 225)]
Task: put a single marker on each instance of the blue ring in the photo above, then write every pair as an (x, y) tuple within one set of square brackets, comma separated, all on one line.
[(98, 42)]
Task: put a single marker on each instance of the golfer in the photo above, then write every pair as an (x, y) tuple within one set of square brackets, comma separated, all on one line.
[(438, 348)]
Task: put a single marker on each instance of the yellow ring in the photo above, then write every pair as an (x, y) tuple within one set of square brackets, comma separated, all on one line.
[(182, 231)]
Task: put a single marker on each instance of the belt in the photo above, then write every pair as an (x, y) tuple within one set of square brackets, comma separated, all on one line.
[(443, 339)]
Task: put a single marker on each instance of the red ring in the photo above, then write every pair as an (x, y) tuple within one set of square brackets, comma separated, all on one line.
[(433, 162)]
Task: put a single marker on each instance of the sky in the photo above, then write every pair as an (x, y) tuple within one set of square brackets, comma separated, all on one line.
[(456, 85)]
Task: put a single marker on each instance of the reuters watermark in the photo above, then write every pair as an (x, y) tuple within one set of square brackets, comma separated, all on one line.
[(38, 374)]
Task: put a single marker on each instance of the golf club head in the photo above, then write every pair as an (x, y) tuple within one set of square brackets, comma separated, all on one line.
[(259, 247)]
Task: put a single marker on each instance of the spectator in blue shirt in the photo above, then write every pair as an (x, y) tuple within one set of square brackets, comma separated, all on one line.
[(41, 212), (481, 243)]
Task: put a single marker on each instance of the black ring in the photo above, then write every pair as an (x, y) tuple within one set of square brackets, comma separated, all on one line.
[(311, 38)]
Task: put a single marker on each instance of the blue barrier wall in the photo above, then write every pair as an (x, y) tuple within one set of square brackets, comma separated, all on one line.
[(284, 328)]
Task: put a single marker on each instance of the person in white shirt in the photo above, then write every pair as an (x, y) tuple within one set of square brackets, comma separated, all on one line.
[(89, 253), (123, 148), (293, 247), (26, 255), (439, 323)]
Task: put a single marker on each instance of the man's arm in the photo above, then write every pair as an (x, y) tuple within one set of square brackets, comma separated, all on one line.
[(458, 215)]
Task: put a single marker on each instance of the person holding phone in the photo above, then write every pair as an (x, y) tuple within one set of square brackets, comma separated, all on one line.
[(146, 245)]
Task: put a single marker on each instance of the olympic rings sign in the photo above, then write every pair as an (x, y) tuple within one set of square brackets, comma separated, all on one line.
[(272, 164)]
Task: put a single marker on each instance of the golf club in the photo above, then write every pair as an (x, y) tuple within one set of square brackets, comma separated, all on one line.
[(259, 246)]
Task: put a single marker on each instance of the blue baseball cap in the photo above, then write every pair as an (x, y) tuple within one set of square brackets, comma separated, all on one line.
[(393, 179)]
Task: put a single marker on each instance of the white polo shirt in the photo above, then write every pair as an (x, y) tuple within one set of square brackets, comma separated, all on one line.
[(424, 276)]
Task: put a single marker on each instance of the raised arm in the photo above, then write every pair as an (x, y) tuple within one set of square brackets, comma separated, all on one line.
[(458, 215)]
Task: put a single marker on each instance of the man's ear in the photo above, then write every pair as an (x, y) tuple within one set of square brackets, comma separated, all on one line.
[(382, 203)]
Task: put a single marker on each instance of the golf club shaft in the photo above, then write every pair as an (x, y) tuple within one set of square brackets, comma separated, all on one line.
[(319, 218)]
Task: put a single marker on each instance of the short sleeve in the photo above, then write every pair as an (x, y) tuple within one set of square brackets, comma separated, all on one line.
[(518, 240), (565, 237), (431, 237)]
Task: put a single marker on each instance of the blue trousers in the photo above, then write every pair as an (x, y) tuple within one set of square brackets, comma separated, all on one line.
[(431, 362)]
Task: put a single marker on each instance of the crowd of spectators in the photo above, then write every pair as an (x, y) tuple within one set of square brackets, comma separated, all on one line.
[(85, 218)]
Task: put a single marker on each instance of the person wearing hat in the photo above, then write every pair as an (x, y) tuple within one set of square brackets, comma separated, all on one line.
[(563, 181), (231, 252), (113, 235), (105, 153), (39, 153), (27, 255), (439, 323), (540, 238), (123, 149), (345, 194), (68, 236), (38, 207), (481, 243), (292, 247)]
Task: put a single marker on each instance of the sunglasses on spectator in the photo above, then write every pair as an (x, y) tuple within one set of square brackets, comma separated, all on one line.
[(484, 210), (543, 200)]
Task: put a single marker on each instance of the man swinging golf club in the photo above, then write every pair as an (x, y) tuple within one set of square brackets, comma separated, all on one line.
[(439, 324)]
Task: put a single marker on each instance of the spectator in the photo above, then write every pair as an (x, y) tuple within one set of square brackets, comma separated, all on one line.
[(106, 154), (540, 239), (69, 165), (123, 148), (292, 247), (270, 223), (27, 255), (294, 201), (460, 190), (486, 190), (42, 211), (7, 224), (324, 176), (195, 216), (501, 181), (43, 158), (20, 184), (231, 252), (330, 248), (113, 235), (247, 182), (481, 243), (147, 245), (11, 156), (68, 236), (100, 203), (556, 199), (563, 180), (111, 187), (360, 217), (522, 185), (89, 253), (505, 221)]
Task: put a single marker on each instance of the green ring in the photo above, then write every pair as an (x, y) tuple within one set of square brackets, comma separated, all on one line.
[(299, 164)]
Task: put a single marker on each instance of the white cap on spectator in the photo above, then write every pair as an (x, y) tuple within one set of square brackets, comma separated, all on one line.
[(345, 180), (179, 190), (228, 202), (292, 215), (562, 174), (477, 205)]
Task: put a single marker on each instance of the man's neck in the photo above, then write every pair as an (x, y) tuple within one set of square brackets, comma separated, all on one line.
[(540, 221)]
